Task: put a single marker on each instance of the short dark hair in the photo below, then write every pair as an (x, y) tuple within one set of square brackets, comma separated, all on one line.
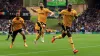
[(40, 2), (70, 4)]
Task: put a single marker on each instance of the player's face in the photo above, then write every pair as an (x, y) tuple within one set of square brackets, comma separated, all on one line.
[(18, 15), (41, 5), (69, 7)]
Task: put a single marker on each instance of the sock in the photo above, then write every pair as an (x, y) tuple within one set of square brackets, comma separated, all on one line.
[(8, 37), (12, 43), (42, 39), (42, 35), (13, 39), (24, 41), (37, 36), (71, 42), (61, 36), (58, 37)]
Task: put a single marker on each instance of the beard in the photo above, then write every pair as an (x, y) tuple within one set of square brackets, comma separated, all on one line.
[(69, 9), (41, 7), (17, 17)]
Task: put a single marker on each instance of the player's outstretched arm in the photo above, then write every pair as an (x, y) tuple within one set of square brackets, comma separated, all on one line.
[(24, 26), (52, 13), (34, 10)]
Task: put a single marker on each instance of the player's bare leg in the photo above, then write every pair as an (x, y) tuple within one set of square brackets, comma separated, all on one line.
[(71, 42), (12, 43), (37, 37), (38, 32), (8, 37), (24, 39), (42, 36)]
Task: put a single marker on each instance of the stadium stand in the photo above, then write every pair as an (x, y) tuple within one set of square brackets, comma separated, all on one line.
[(90, 20)]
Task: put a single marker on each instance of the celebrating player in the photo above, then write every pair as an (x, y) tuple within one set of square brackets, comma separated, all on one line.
[(67, 15), (17, 25), (41, 24)]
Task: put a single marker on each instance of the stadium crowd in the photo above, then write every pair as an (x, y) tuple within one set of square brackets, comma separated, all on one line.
[(30, 25), (3, 25), (10, 5), (89, 20)]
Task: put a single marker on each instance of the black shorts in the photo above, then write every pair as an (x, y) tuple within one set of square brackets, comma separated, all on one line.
[(66, 31), (16, 32), (41, 23), (66, 28), (10, 32)]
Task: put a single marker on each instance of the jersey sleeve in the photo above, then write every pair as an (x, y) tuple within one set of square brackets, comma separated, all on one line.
[(75, 13), (48, 11), (22, 20), (62, 12), (13, 20)]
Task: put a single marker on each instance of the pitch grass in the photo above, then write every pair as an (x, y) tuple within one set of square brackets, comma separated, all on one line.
[(87, 44)]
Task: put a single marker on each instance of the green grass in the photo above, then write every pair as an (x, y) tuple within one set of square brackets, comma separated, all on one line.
[(33, 18), (52, 23), (88, 45)]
